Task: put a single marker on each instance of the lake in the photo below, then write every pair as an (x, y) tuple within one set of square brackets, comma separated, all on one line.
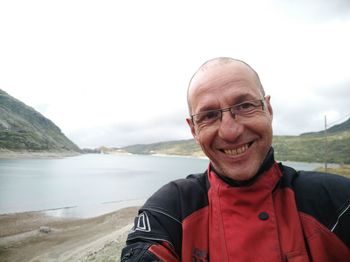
[(92, 184)]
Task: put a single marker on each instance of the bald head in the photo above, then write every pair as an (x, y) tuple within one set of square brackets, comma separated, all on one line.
[(212, 69)]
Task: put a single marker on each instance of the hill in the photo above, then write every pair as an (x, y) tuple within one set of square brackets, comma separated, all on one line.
[(180, 147), (345, 126), (314, 148), (24, 129), (309, 147)]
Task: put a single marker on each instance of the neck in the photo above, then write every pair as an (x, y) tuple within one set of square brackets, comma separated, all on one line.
[(268, 162)]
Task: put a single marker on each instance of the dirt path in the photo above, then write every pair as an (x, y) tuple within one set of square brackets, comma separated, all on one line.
[(94, 239)]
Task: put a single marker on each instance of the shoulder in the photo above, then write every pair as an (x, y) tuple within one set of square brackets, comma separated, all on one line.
[(181, 197), (311, 183), (322, 195)]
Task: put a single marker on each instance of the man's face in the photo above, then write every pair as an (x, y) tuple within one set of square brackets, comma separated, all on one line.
[(236, 147)]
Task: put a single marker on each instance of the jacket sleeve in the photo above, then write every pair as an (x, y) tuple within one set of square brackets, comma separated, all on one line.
[(149, 239), (157, 231)]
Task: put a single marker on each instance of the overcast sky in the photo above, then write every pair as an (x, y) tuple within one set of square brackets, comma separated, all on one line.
[(115, 73)]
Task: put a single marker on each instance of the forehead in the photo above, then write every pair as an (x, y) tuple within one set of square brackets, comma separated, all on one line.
[(222, 83)]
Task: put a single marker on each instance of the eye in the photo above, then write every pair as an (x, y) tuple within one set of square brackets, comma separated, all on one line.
[(207, 116), (212, 114), (246, 106)]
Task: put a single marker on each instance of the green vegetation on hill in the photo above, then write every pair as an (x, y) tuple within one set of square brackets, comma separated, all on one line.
[(181, 147), (309, 147), (314, 148), (24, 129)]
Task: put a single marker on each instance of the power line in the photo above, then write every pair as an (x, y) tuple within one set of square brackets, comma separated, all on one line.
[(338, 120)]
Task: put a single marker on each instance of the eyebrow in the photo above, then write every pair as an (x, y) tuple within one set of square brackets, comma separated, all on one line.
[(245, 97), (206, 108)]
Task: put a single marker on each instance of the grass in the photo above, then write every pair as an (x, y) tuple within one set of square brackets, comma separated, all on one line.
[(343, 170)]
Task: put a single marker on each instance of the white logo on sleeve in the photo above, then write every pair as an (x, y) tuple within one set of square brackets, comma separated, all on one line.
[(142, 223)]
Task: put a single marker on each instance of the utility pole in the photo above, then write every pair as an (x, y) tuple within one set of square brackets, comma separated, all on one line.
[(325, 143)]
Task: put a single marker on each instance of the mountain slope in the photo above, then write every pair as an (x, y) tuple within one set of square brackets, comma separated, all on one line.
[(314, 148), (310, 147), (345, 126), (23, 128), (180, 147)]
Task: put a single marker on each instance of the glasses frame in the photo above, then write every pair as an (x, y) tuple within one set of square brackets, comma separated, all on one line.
[(231, 109)]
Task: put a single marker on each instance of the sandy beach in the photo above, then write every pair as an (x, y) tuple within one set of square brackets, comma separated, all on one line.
[(33, 236), (7, 154)]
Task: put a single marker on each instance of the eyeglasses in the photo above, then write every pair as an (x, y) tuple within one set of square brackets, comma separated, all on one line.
[(244, 109)]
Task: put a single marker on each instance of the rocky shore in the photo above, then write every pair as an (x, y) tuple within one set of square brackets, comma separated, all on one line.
[(34, 236)]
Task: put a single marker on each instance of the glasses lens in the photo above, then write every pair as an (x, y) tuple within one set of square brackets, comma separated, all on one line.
[(247, 107), (207, 117)]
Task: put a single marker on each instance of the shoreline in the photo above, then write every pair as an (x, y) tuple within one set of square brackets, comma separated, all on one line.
[(35, 236), (7, 154), (79, 212)]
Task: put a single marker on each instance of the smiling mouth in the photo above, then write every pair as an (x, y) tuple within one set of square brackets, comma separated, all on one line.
[(238, 150)]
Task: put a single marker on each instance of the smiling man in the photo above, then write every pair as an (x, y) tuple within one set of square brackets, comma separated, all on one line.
[(238, 139), (246, 206)]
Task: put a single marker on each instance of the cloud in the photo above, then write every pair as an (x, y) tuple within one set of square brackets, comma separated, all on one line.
[(304, 111), (162, 128), (314, 11), (115, 73)]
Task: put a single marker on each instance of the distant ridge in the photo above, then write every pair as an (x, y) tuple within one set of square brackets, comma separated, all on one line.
[(308, 147), (177, 147), (345, 126), (24, 129)]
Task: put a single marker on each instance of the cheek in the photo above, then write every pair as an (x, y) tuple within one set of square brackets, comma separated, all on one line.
[(268, 130), (265, 133), (264, 127), (204, 139)]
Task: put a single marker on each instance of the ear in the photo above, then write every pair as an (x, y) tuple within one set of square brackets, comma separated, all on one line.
[(193, 130), (268, 106)]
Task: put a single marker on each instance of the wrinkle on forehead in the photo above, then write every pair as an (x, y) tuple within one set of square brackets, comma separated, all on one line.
[(217, 70)]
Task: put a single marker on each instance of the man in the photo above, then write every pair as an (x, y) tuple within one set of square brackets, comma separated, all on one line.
[(246, 206)]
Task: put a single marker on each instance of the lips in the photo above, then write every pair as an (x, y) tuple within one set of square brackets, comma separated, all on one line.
[(237, 151)]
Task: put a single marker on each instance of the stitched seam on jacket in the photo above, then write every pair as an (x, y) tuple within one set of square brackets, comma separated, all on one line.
[(163, 213), (340, 215), (150, 238)]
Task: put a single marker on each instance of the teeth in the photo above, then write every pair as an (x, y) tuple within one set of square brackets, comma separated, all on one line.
[(236, 151)]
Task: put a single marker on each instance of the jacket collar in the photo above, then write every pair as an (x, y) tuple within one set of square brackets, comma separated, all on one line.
[(266, 165)]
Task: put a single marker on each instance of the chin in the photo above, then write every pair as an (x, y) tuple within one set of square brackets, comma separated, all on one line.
[(240, 175)]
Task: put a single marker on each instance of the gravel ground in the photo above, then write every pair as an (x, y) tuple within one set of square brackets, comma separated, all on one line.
[(33, 236)]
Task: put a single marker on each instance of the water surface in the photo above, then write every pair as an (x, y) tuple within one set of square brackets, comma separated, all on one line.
[(92, 184)]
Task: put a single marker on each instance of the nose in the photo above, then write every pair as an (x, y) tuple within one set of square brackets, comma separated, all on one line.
[(230, 129)]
